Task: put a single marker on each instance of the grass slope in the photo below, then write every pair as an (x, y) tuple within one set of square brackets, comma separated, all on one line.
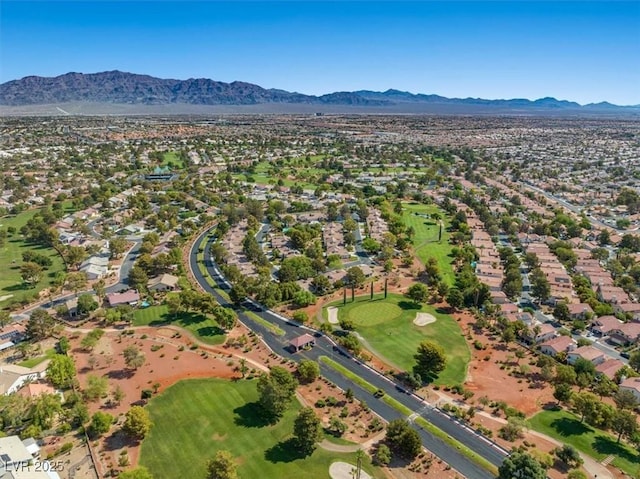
[(203, 327), (566, 427), (425, 241), (11, 260), (387, 325), (194, 419)]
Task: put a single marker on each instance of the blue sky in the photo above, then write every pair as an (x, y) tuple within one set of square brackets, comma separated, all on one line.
[(581, 51)]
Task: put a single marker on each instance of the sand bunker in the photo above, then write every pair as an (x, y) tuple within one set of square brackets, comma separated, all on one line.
[(343, 470), (332, 314), (5, 297), (422, 319)]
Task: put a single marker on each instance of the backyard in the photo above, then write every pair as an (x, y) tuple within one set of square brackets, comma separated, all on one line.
[(387, 326), (566, 427), (425, 240), (203, 327), (194, 419)]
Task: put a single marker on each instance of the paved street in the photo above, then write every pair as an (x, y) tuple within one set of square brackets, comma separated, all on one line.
[(325, 346)]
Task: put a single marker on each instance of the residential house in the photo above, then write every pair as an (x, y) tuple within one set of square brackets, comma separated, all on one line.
[(11, 335), (130, 297), (18, 460), (560, 344), (164, 282), (586, 352), (604, 324), (609, 367), (13, 377), (579, 310), (625, 333), (633, 385), (546, 333)]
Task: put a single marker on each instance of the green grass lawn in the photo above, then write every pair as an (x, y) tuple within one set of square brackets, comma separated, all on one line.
[(12, 288), (194, 419), (388, 327), (31, 362), (566, 427), (172, 160), (425, 241), (203, 327)]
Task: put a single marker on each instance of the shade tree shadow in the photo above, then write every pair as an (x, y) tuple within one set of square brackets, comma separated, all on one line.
[(250, 414), (284, 451), (569, 427)]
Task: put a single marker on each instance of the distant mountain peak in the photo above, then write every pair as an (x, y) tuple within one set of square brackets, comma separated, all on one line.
[(118, 87)]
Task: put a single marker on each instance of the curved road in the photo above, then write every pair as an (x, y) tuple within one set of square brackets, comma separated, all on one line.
[(326, 347)]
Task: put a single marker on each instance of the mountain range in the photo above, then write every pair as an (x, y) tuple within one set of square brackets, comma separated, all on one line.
[(121, 88)]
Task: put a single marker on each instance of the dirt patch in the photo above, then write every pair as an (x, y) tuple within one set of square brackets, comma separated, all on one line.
[(170, 356), (422, 319), (332, 315), (344, 470)]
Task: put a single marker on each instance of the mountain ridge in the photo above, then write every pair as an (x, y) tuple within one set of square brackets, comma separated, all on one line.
[(117, 87)]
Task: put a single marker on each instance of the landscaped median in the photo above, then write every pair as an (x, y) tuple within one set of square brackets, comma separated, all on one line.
[(427, 426)]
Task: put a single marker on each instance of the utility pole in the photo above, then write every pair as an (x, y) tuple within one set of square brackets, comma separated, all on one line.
[(371, 290)]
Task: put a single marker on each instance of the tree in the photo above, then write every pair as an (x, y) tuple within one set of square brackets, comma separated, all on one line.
[(222, 466), (100, 424), (174, 304), (321, 285), (44, 409), (585, 404), (5, 318), (86, 304), (307, 430), (561, 311), (303, 299), (276, 391), (562, 392), (337, 427), (565, 374), (569, 455), (604, 387), (31, 273), (138, 278), (430, 359), (383, 455), (96, 388), (91, 339), (76, 281), (225, 317), (61, 371), (40, 325), (418, 293), (576, 474), (624, 423), (133, 357), (625, 399), (403, 439), (455, 298), (512, 430), (521, 465), (355, 276), (118, 394), (117, 246), (137, 422), (540, 287), (140, 472), (308, 371), (75, 255), (634, 360)]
